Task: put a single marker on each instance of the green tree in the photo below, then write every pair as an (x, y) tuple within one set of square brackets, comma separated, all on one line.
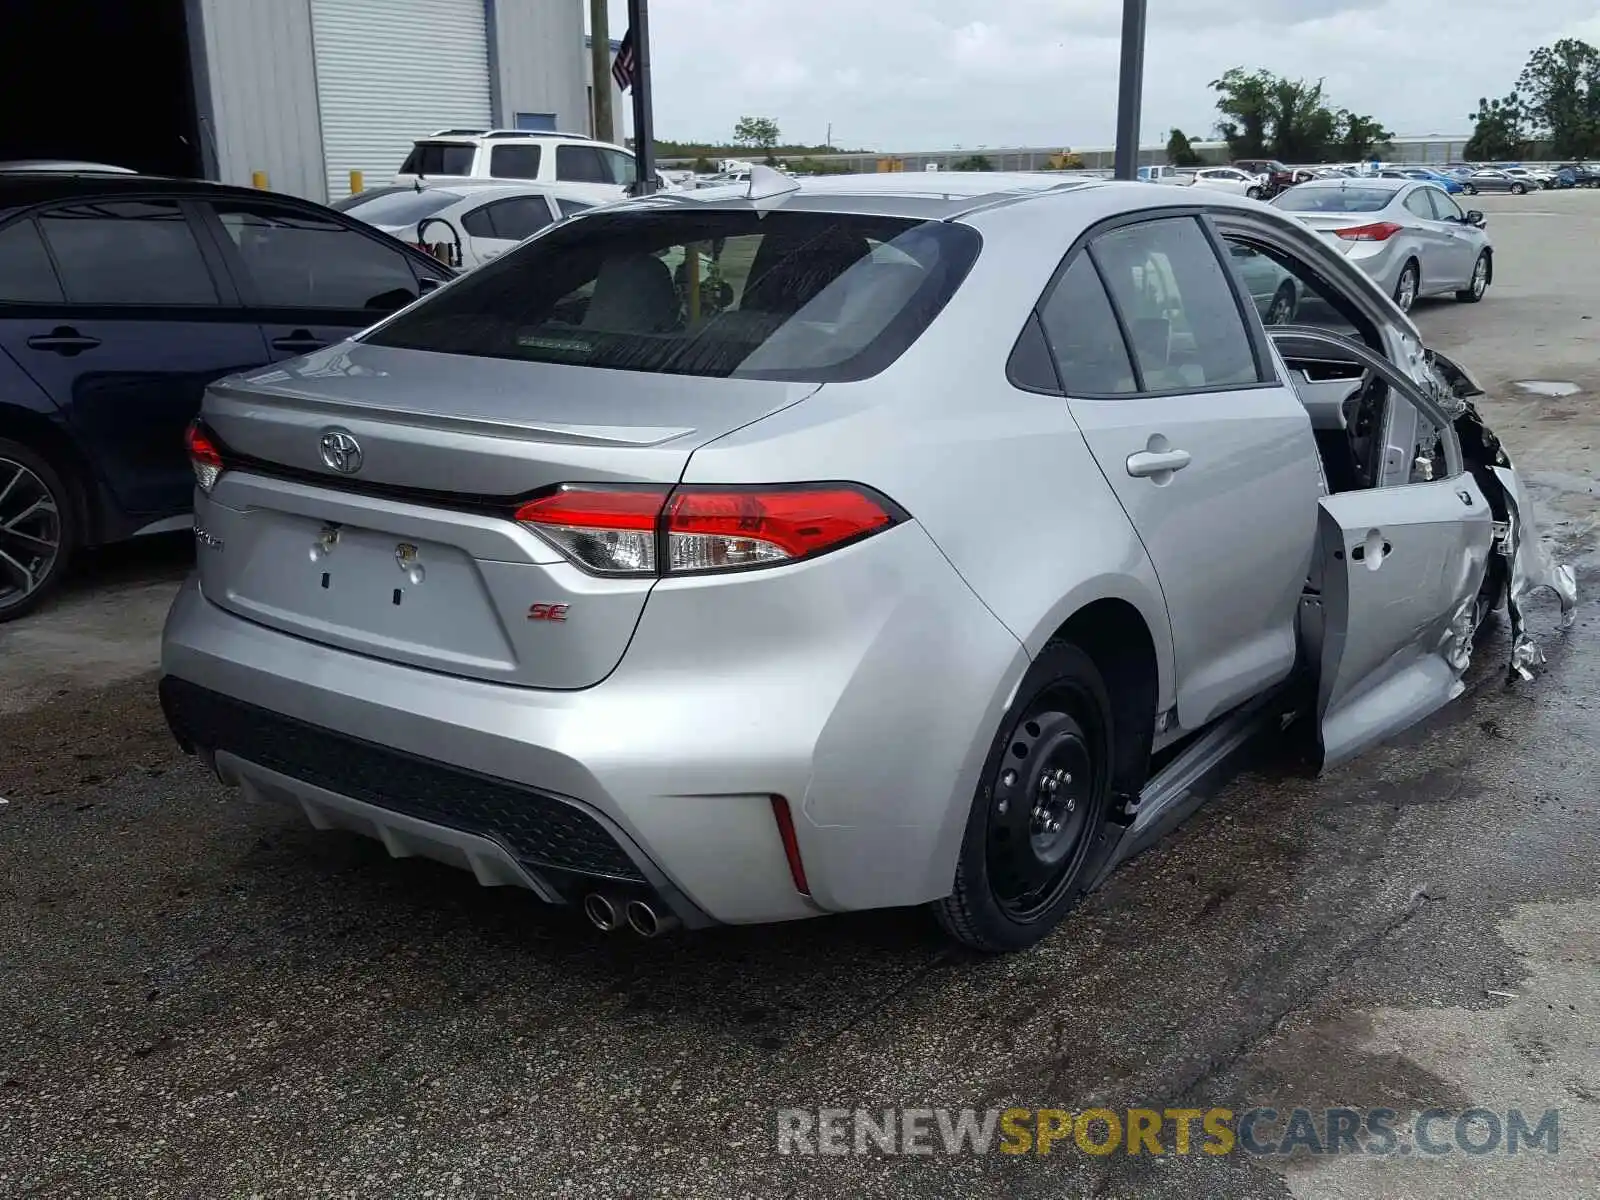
[(1560, 90), (757, 133), (1243, 101), (1499, 130), (703, 166), (1356, 137), (1179, 152), (973, 162), (1263, 114)]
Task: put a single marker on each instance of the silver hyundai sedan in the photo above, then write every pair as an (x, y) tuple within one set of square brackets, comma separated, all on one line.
[(754, 553), (1412, 238)]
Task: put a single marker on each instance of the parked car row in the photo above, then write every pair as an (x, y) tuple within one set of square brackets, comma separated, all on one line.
[(441, 563), (470, 222)]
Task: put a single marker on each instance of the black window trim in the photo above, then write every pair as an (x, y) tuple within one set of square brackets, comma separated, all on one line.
[(421, 265), (1260, 351)]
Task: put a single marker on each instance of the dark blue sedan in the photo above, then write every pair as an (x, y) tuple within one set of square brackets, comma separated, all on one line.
[(121, 298)]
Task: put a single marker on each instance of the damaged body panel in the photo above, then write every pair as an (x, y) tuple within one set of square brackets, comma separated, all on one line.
[(1412, 559)]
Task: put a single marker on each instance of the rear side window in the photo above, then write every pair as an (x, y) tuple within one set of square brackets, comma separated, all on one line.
[(568, 207), (780, 295), (439, 158), (299, 259), (581, 164), (1177, 304), (1091, 357), (514, 162), (128, 252), (1417, 204), (26, 276), (518, 218)]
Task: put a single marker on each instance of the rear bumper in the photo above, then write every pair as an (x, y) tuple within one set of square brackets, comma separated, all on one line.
[(863, 688)]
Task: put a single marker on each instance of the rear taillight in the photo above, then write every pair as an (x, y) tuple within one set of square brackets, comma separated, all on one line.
[(1380, 231), (609, 530), (660, 531), (204, 456)]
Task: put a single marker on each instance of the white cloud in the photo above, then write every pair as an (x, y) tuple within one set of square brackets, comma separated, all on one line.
[(928, 74)]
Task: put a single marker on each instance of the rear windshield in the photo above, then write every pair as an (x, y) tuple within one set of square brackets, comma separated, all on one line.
[(781, 295), (404, 207), (439, 158), (1339, 199)]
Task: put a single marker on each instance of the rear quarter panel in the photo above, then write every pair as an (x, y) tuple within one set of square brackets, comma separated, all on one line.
[(1000, 478)]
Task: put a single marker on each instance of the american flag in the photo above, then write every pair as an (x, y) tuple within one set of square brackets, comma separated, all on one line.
[(623, 65)]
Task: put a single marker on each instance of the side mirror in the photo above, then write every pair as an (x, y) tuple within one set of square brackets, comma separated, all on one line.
[(1475, 217)]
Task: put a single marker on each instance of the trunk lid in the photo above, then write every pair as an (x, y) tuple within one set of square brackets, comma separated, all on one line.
[(413, 555)]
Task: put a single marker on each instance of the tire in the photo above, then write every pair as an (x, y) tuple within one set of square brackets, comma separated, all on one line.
[(1253, 193), (1519, 189), (1469, 189), (1401, 298), (1482, 276), (1038, 819), (1282, 309), (35, 552)]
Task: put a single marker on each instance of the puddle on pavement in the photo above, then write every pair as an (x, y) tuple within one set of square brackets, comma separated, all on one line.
[(1554, 388)]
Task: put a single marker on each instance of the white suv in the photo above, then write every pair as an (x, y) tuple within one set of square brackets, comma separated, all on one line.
[(599, 169)]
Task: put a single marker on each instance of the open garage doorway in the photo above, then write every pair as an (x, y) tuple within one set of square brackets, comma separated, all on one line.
[(106, 81)]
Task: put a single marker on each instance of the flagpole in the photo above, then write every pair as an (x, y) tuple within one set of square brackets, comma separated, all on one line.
[(644, 134)]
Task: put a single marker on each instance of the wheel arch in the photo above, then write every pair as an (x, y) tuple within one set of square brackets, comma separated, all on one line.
[(1116, 635), (45, 436)]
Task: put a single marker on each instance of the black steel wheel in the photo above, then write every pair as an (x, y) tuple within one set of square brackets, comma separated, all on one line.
[(37, 529), (1039, 815)]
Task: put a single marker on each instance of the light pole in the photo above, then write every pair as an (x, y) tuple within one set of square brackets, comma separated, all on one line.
[(644, 132), (1130, 89)]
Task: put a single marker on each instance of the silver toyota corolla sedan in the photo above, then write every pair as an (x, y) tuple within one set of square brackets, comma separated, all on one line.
[(1411, 237), (754, 553)]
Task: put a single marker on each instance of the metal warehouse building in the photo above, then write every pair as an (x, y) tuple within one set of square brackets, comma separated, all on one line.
[(305, 91)]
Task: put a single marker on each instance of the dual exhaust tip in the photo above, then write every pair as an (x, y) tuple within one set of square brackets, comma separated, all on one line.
[(609, 913)]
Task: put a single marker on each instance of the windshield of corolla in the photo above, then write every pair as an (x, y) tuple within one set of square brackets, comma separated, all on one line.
[(1311, 198), (782, 295), (403, 208)]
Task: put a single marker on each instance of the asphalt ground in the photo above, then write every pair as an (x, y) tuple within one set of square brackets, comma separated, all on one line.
[(200, 996)]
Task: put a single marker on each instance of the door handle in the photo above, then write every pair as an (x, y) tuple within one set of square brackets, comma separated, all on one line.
[(1146, 463), (63, 340), (300, 341)]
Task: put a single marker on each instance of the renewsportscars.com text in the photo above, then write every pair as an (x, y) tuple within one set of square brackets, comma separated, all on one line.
[(1261, 1132)]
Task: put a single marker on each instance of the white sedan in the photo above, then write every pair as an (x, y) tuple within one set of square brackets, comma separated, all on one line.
[(1230, 179), (466, 224)]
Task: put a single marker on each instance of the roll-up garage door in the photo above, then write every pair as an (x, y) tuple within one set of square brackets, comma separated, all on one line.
[(390, 72)]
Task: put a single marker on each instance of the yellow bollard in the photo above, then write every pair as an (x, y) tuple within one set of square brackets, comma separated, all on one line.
[(357, 183), (258, 179)]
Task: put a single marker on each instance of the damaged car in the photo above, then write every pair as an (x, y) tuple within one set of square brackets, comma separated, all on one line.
[(931, 556)]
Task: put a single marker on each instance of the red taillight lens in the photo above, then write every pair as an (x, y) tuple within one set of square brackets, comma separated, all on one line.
[(713, 530), (204, 456), (1380, 231), (617, 531), (610, 530), (791, 844)]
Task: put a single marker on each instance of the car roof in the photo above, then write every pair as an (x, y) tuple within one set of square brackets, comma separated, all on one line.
[(1383, 183), (42, 187), (928, 195)]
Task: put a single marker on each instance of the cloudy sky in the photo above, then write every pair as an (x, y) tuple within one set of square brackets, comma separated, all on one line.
[(930, 74)]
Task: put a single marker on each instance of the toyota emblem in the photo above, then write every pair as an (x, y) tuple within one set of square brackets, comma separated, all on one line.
[(341, 452)]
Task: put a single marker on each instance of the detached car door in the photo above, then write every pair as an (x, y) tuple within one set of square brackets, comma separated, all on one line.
[(1392, 603), (1210, 454), (309, 278), (141, 323)]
